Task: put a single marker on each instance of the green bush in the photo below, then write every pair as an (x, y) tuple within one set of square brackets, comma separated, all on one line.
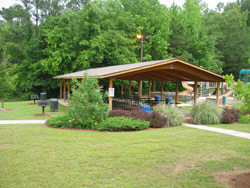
[(244, 119), (206, 113), (59, 121), (87, 104), (175, 117), (122, 124)]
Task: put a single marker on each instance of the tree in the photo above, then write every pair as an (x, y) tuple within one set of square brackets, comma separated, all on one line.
[(6, 85)]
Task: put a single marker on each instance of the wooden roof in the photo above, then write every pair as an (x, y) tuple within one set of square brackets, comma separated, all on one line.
[(162, 70)]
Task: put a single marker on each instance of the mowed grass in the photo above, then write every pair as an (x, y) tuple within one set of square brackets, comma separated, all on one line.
[(25, 111), (37, 156), (236, 127)]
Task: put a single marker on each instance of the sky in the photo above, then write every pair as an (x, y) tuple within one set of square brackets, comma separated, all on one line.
[(211, 3)]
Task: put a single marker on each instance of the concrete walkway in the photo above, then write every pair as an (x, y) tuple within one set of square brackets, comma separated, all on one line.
[(220, 130), (22, 121)]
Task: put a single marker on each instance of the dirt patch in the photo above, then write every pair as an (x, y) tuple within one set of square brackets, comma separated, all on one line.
[(237, 178), (32, 104), (44, 115), (191, 122), (5, 109), (5, 146)]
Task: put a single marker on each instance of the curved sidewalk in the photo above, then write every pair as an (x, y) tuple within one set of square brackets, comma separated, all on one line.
[(220, 130), (21, 121)]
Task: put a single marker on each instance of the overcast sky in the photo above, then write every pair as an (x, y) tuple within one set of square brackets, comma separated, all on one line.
[(211, 3)]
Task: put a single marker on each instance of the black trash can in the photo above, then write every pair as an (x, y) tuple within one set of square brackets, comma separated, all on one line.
[(43, 96), (53, 104)]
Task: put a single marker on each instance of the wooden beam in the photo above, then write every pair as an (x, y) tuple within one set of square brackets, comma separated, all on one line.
[(195, 92), (161, 90), (110, 98), (149, 89), (68, 89), (217, 93), (177, 91), (61, 89), (139, 89), (129, 92), (122, 89), (64, 90)]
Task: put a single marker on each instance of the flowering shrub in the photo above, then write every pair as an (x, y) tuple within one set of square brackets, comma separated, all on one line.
[(135, 114), (244, 119), (157, 120), (230, 115)]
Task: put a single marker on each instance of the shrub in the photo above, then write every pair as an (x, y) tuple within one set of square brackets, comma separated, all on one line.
[(122, 124), (135, 114), (244, 119), (59, 121), (206, 113), (157, 120), (175, 117), (230, 115), (87, 106)]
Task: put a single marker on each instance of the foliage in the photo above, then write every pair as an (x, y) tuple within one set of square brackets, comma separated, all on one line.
[(87, 105), (122, 124), (244, 119), (175, 117), (157, 120), (59, 121), (230, 115), (206, 113), (135, 114), (241, 92)]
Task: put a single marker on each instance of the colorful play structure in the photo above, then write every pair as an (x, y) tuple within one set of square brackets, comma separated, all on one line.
[(244, 75)]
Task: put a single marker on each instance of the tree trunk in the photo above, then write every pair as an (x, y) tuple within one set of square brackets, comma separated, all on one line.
[(2, 102)]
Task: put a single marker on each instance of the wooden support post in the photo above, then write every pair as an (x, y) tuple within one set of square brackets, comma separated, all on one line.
[(64, 90), (68, 89), (195, 92), (149, 89), (122, 89), (217, 93), (61, 89), (177, 92), (110, 98), (74, 84), (129, 92), (161, 90), (139, 89)]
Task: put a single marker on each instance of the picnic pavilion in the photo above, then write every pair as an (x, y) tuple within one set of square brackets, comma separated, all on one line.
[(160, 70)]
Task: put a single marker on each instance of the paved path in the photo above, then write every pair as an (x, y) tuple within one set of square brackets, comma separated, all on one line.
[(22, 121), (220, 130)]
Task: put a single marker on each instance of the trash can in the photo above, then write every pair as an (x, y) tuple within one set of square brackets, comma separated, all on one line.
[(157, 99), (146, 108), (168, 100), (66, 95), (43, 96), (53, 104), (135, 94), (224, 100)]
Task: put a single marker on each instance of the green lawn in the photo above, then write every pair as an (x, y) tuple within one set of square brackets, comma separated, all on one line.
[(236, 127), (24, 111), (37, 156)]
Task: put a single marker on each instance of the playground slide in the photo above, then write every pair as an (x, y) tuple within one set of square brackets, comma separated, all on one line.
[(186, 86)]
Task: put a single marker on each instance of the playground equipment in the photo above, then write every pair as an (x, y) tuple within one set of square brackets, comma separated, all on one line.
[(245, 72), (188, 88)]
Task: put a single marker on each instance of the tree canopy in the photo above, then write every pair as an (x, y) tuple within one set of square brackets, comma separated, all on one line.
[(43, 39)]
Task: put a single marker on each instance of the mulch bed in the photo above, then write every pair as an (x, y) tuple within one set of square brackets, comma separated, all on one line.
[(44, 115), (90, 130)]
